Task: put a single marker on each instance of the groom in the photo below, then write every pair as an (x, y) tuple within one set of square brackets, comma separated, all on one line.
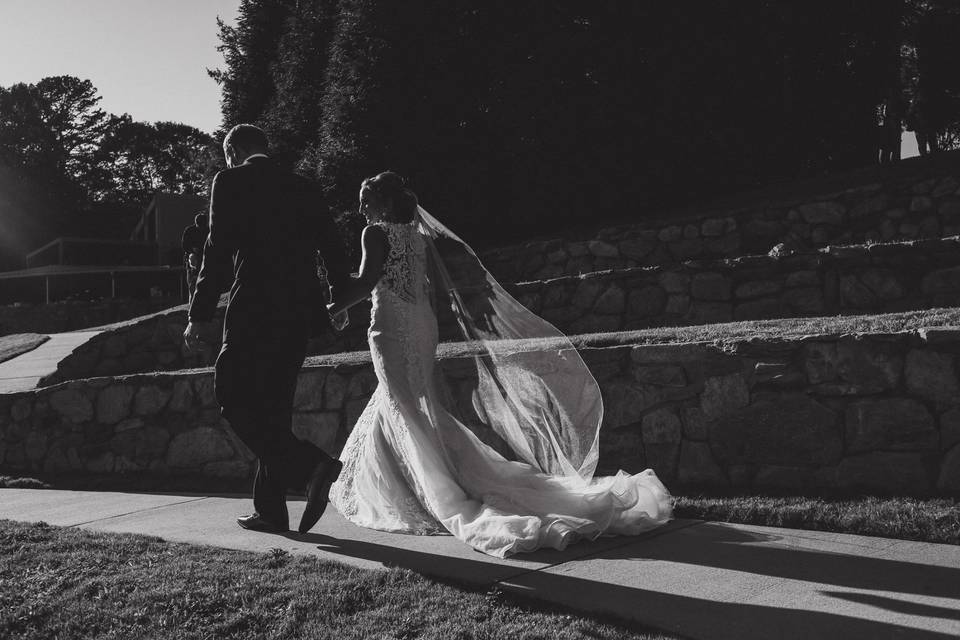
[(266, 227)]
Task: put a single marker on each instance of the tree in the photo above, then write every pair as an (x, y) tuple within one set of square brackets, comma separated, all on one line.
[(136, 160)]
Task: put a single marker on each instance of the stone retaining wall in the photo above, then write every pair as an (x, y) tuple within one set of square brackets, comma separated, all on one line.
[(59, 317), (897, 207), (877, 413), (155, 343), (879, 278)]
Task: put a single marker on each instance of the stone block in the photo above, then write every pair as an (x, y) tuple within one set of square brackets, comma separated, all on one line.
[(334, 391), (806, 278), (686, 248), (197, 447), (181, 399), (694, 423), (725, 245), (872, 367), (804, 300), (645, 302), (947, 185), (949, 477), (100, 463), (883, 283), (822, 213), (663, 459), (763, 309), (204, 391), (113, 403), (784, 478), (723, 395), (756, 289), (621, 449), (362, 383), (141, 445), (626, 401), (697, 466), (674, 282), (228, 469), (885, 473), (319, 428), (677, 304), (661, 426), (663, 375), (919, 204), (713, 227), (602, 249), (611, 301), (701, 312), (20, 410), (898, 424), (670, 234), (855, 294), (778, 428), (72, 405), (950, 210), (711, 286), (950, 429), (586, 293), (150, 399), (820, 361), (35, 445), (593, 323), (636, 248), (870, 206), (932, 376), (309, 392)]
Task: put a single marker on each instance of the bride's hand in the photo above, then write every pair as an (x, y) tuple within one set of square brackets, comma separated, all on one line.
[(339, 319)]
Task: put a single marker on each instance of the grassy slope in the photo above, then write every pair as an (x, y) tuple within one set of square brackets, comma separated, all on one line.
[(69, 583), (19, 343), (932, 520)]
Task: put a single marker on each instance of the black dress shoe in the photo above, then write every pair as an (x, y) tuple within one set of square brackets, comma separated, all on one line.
[(318, 492), (256, 523)]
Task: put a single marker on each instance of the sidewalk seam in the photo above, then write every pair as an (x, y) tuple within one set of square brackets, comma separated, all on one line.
[(130, 513)]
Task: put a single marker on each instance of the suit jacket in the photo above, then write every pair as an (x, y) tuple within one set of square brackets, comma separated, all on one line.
[(267, 226)]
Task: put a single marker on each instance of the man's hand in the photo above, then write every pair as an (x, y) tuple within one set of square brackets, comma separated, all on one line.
[(340, 320), (193, 335)]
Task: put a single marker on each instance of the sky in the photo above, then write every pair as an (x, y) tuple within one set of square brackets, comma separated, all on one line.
[(147, 58)]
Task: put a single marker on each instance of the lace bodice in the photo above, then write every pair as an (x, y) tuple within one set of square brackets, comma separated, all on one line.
[(404, 270)]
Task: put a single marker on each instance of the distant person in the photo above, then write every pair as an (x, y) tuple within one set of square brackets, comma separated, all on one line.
[(194, 237), (890, 131), (920, 120)]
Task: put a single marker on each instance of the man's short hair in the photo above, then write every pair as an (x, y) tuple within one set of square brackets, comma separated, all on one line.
[(246, 136)]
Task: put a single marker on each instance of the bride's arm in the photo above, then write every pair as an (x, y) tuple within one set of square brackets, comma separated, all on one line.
[(374, 243)]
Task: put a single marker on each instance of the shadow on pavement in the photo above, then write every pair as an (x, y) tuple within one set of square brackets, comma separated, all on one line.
[(712, 545)]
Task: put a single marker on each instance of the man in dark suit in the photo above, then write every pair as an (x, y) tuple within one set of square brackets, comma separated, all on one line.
[(266, 227)]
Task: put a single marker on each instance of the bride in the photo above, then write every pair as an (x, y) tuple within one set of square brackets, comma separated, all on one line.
[(500, 450)]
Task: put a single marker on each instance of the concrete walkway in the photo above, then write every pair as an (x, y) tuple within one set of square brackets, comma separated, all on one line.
[(25, 371), (693, 578)]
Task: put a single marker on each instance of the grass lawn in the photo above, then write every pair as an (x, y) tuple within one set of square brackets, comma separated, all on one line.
[(69, 583), (926, 520), (19, 343)]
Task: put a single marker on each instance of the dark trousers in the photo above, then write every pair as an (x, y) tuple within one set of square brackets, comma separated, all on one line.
[(255, 385)]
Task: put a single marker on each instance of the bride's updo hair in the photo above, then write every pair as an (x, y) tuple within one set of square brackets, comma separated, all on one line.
[(402, 201)]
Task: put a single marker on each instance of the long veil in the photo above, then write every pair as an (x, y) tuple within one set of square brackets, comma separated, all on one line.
[(531, 387)]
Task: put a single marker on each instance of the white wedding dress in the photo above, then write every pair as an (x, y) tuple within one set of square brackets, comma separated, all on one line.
[(412, 466)]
